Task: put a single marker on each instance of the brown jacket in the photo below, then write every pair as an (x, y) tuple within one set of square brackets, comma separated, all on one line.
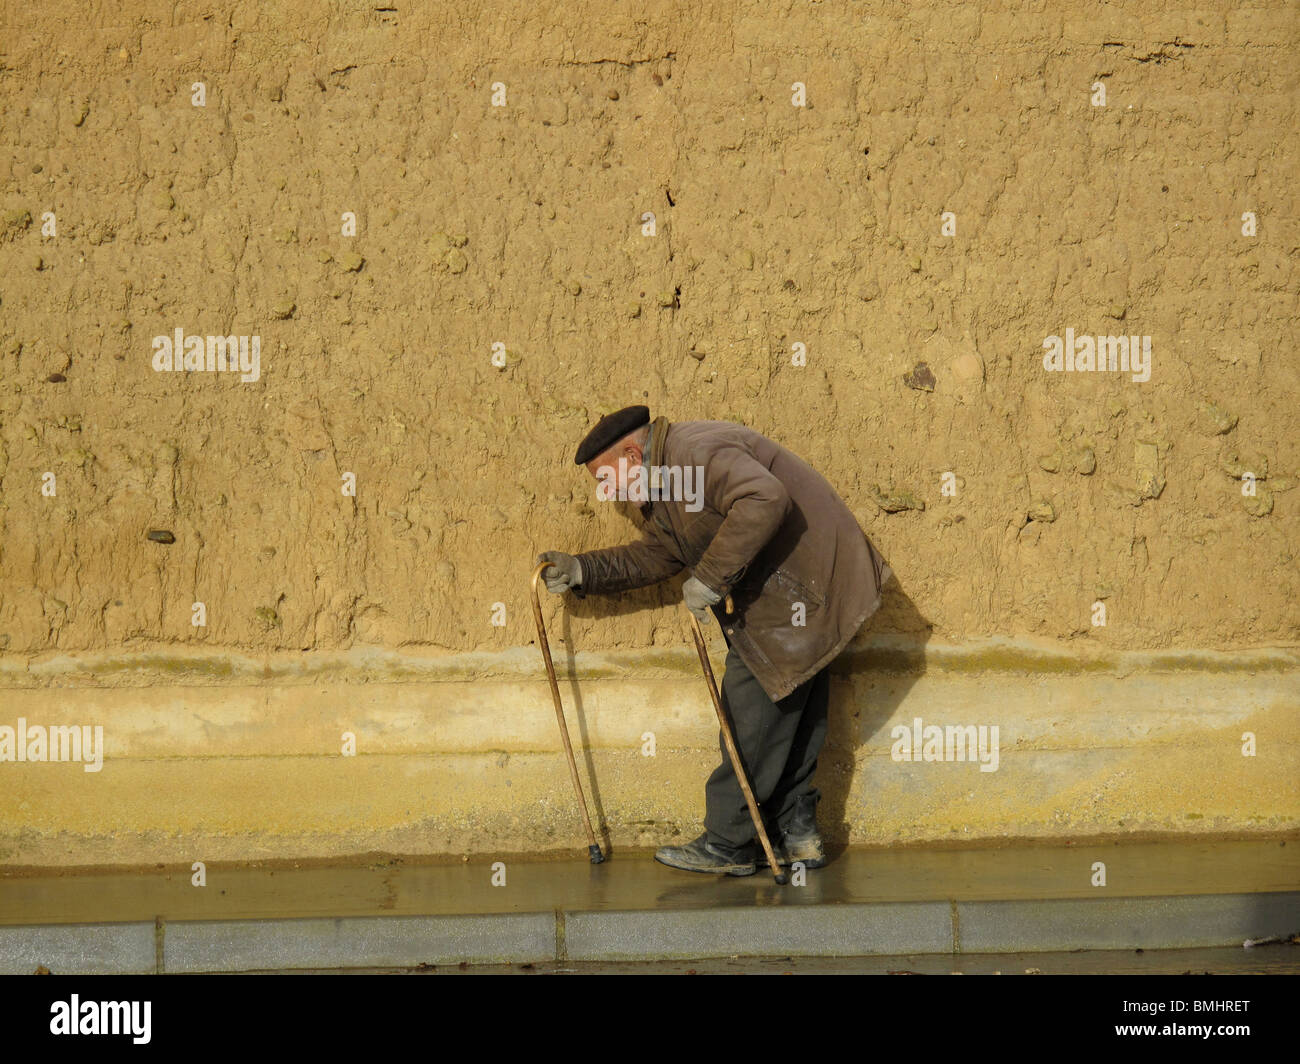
[(772, 533)]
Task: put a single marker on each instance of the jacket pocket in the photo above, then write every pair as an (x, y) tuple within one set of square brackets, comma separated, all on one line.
[(796, 587)]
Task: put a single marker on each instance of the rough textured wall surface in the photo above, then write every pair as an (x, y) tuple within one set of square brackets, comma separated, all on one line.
[(522, 225)]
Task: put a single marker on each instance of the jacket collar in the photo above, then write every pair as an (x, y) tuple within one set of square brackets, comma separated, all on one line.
[(658, 436)]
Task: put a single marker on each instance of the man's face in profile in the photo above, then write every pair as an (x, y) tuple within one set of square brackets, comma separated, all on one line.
[(612, 477)]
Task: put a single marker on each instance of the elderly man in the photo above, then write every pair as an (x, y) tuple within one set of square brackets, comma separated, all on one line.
[(753, 520)]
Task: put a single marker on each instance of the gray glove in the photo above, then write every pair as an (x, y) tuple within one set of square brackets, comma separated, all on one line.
[(699, 598), (564, 572)]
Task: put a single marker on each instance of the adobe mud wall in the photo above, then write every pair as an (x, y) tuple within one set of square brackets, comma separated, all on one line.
[(840, 192)]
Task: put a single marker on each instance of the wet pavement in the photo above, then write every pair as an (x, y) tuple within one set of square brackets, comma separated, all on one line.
[(396, 913), (634, 881)]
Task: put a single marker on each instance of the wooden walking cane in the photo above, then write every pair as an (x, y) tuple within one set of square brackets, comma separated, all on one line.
[(781, 877), (593, 848)]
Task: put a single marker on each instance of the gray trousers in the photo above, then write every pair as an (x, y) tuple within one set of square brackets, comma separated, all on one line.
[(778, 744)]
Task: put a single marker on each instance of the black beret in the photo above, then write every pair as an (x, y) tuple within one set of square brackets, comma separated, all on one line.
[(609, 430)]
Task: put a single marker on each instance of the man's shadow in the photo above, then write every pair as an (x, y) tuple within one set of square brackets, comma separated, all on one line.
[(870, 680), (597, 607)]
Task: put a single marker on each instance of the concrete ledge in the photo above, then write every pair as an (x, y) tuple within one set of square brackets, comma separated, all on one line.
[(806, 930), (86, 949), (356, 942), (1126, 923)]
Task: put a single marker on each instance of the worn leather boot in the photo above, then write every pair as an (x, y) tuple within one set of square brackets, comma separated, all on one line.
[(801, 840), (700, 856)]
